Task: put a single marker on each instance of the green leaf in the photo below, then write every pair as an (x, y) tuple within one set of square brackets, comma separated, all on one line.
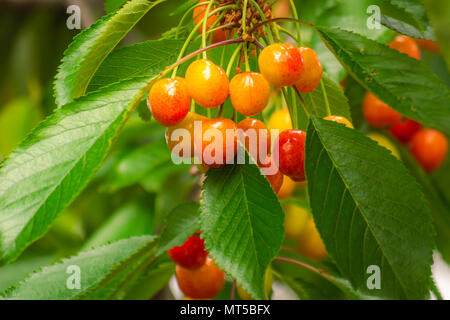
[(330, 96), (369, 211), (242, 223), (92, 46), (142, 59), (183, 7), (402, 82), (97, 267), (58, 158), (439, 13), (113, 5), (182, 222), (406, 17), (134, 219)]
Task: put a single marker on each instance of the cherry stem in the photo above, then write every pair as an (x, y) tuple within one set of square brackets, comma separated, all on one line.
[(193, 54), (285, 248), (279, 19), (233, 290), (258, 44), (304, 265)]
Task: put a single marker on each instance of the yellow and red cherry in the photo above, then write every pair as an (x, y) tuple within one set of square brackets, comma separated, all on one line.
[(256, 138), (289, 152), (404, 131), (207, 83), (312, 71), (281, 64), (340, 119), (249, 93), (169, 100), (407, 45), (201, 283), (429, 147), (378, 114)]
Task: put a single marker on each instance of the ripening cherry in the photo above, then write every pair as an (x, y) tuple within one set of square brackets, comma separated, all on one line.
[(276, 177), (191, 254), (290, 154), (428, 45), (256, 137), (182, 142), (404, 130), (217, 143), (218, 35), (202, 283), (429, 147), (169, 100), (207, 83), (281, 120), (249, 93), (295, 220), (281, 64), (312, 71), (287, 188), (340, 119), (378, 114), (406, 45), (310, 243)]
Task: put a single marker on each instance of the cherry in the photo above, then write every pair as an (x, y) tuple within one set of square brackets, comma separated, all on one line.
[(295, 220), (191, 254), (287, 188), (207, 83), (217, 143), (281, 120), (310, 244), (291, 154), (201, 283), (429, 147), (384, 142), (218, 35), (173, 138), (340, 119), (406, 45), (249, 93), (312, 71), (404, 131), (276, 179), (256, 137), (428, 45), (281, 64), (169, 100), (378, 114)]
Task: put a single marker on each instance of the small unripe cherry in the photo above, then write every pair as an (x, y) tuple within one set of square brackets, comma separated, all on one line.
[(290, 154), (340, 119), (249, 93), (276, 178), (173, 139), (312, 71), (281, 64), (169, 100), (404, 131), (406, 45), (207, 83), (429, 147), (202, 283), (218, 35), (378, 114), (191, 254), (256, 138), (217, 144), (310, 243)]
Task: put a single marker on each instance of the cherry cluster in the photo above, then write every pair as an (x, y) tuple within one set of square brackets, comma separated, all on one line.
[(428, 146), (197, 275)]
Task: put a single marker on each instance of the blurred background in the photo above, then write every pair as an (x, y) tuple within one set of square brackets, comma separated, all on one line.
[(34, 35)]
